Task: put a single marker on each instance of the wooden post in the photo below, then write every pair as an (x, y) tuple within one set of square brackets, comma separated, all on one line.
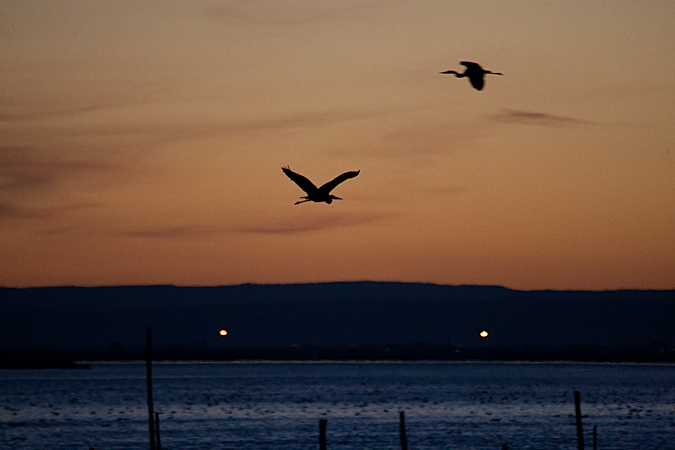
[(401, 426), (322, 434), (580, 430), (148, 372), (595, 437), (158, 442)]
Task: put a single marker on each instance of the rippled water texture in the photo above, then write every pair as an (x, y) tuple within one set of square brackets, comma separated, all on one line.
[(276, 406)]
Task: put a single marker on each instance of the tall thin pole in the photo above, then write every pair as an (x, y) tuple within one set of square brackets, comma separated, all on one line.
[(322, 434), (595, 437), (401, 426), (580, 430), (148, 371), (159, 442)]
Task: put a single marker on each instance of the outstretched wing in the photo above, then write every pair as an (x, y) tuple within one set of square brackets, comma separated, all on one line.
[(300, 180), (471, 65), (477, 81), (326, 188)]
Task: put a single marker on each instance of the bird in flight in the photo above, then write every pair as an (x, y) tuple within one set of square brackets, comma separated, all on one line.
[(314, 194), (475, 73)]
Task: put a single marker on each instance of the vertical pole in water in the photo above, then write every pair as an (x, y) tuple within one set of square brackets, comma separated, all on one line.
[(580, 431), (159, 445), (148, 371), (322, 434), (401, 426), (595, 437)]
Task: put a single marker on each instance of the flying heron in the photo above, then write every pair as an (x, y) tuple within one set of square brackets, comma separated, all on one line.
[(321, 194), (475, 73)]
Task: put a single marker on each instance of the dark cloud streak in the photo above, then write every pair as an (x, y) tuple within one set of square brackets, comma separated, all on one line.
[(175, 232), (537, 118), (12, 211), (281, 227), (317, 223), (28, 169)]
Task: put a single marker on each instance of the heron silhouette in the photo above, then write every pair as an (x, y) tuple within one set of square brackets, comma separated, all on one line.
[(475, 73), (315, 194)]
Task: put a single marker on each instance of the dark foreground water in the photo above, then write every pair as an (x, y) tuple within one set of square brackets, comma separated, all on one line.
[(275, 406)]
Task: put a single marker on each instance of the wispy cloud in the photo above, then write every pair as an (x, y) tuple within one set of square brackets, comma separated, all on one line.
[(537, 118), (282, 13), (156, 134), (23, 169), (419, 139), (278, 227), (182, 128), (22, 115), (12, 211), (445, 190), (301, 120), (307, 224), (176, 232)]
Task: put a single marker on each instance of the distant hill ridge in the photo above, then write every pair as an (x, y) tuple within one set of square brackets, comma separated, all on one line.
[(105, 321)]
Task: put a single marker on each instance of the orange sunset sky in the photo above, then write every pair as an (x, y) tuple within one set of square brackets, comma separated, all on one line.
[(142, 142)]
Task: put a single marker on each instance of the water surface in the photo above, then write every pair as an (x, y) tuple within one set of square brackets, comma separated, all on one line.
[(274, 406)]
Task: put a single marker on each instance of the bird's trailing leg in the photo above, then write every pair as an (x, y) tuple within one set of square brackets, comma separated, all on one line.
[(301, 201)]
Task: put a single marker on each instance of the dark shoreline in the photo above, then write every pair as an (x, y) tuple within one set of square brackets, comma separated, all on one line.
[(72, 360), (52, 327)]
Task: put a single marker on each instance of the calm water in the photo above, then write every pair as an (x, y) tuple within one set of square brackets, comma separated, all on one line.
[(274, 406)]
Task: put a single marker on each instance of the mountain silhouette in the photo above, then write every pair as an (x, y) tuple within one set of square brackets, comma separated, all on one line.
[(110, 322)]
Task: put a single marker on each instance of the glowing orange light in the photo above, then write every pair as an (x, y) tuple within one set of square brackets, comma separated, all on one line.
[(483, 334), (223, 332)]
